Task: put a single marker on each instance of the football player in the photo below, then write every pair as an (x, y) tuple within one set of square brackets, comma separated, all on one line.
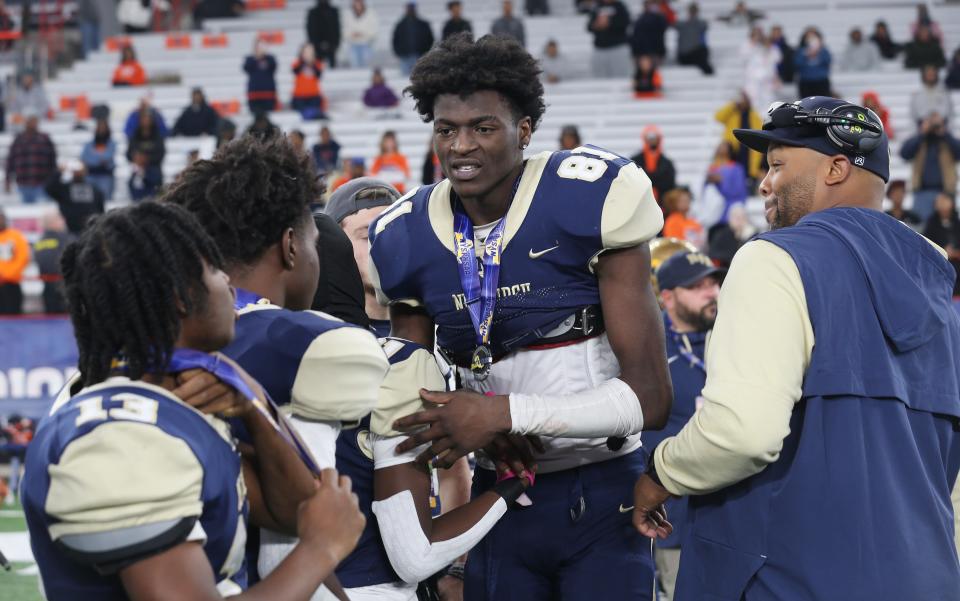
[(536, 275), (403, 542), (254, 200), (130, 493)]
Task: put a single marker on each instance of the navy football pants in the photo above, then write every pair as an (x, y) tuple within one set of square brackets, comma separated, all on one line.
[(572, 544)]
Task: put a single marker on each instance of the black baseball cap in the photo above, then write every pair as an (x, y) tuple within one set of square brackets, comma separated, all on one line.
[(814, 136), (685, 269), (358, 194)]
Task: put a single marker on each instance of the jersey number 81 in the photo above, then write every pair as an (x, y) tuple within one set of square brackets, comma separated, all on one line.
[(585, 168)]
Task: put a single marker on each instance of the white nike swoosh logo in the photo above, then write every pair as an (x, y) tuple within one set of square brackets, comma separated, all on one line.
[(537, 255), (625, 509), (672, 359)]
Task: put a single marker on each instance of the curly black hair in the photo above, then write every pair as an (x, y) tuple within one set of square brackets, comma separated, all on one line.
[(458, 65), (248, 195), (124, 278)]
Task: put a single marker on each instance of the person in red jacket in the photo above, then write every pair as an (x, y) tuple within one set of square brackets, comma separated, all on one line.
[(307, 98), (14, 256), (129, 72)]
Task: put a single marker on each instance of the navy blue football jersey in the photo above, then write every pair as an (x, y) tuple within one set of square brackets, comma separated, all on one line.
[(124, 470), (570, 206)]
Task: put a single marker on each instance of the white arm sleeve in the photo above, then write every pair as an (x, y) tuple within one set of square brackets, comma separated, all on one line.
[(411, 553), (611, 409)]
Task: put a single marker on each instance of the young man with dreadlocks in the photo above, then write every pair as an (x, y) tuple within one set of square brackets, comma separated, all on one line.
[(518, 264), (130, 493), (254, 200)]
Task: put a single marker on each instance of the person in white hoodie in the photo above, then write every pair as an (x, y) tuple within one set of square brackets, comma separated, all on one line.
[(360, 27)]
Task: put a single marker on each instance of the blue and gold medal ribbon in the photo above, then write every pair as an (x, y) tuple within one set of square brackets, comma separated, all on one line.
[(480, 297)]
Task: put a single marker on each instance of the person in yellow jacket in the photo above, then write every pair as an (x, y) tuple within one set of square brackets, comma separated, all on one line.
[(14, 256), (739, 113)]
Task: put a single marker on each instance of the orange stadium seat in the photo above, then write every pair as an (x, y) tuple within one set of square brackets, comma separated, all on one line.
[(178, 41), (226, 107), (115, 43), (219, 40), (271, 37)]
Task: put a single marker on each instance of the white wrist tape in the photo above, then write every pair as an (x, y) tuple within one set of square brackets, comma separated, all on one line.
[(412, 555), (385, 451), (611, 409)]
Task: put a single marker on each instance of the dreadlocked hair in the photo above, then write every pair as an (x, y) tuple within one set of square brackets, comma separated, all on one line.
[(124, 278), (458, 65), (248, 195)]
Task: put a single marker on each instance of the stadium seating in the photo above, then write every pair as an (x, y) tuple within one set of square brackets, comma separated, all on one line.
[(605, 110)]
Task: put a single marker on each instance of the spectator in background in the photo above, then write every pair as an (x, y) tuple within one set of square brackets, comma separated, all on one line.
[(355, 168), (88, 22), (47, 251), (145, 181), (79, 200), (922, 50), (647, 82), (326, 152), (323, 31), (812, 62), (692, 46), (859, 55), (148, 141), (871, 100), (556, 67), (129, 72), (133, 119), (456, 23), (360, 28), (537, 7), (262, 127), (741, 16), (884, 43), (98, 157), (297, 140), (261, 69), (654, 163), (760, 59), (952, 80), (934, 153), (725, 239), (216, 9), (649, 31), (570, 137), (198, 118), (728, 177), (943, 229), (608, 22), (508, 25), (7, 25), (379, 95), (785, 68), (678, 223), (307, 99), (740, 114), (931, 98), (897, 192), (14, 258), (226, 132), (430, 171), (412, 38), (924, 20), (391, 165), (31, 160), (135, 15), (29, 95)]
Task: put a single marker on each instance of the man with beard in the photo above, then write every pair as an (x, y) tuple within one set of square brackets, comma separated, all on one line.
[(821, 461), (689, 286)]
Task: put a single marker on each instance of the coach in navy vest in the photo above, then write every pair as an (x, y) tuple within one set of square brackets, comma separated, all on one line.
[(821, 462)]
